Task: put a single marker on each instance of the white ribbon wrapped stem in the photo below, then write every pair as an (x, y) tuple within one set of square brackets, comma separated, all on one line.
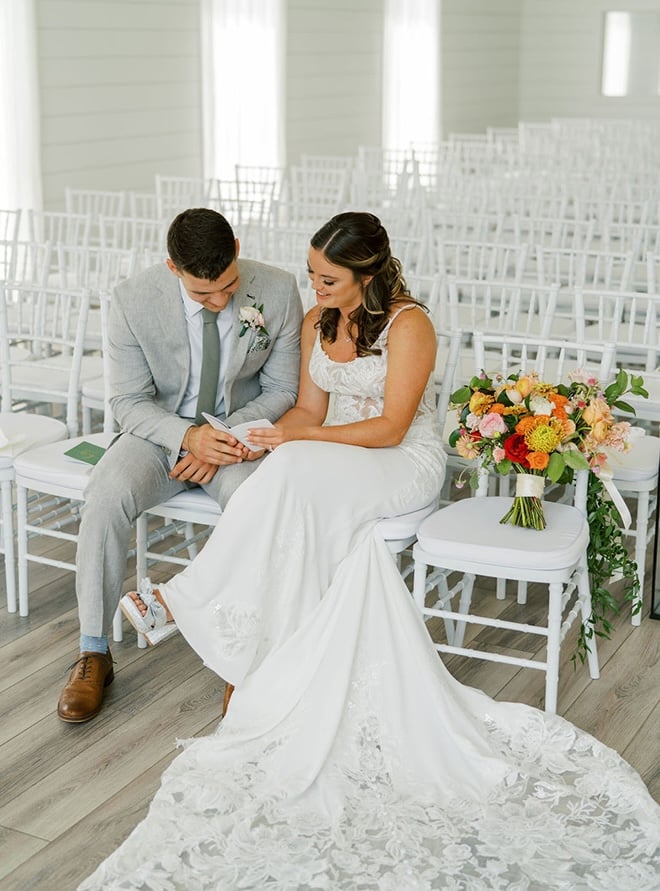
[(528, 485)]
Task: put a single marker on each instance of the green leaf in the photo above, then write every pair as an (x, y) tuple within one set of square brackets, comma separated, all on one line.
[(637, 387), (624, 406), (555, 467), (613, 392), (454, 436), (460, 396), (575, 459)]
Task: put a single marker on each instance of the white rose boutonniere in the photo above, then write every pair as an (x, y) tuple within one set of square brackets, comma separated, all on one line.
[(252, 319)]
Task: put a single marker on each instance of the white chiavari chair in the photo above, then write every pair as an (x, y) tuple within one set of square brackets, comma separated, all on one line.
[(466, 539)]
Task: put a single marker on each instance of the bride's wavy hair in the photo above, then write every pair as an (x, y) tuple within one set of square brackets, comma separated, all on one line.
[(358, 241)]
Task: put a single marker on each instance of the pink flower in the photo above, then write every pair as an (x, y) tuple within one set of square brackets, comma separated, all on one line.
[(498, 454), (492, 424)]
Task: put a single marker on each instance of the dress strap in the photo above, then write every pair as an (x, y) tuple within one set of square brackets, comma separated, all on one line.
[(383, 334)]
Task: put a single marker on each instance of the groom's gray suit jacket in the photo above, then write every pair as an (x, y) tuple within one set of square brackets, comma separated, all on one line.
[(150, 355)]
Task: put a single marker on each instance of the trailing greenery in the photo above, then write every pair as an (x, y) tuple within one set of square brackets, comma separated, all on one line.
[(607, 555)]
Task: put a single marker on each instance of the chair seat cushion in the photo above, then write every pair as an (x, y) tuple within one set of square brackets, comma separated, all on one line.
[(52, 375), (94, 389), (639, 463), (195, 505), (49, 464), (469, 533), (405, 525), (25, 430)]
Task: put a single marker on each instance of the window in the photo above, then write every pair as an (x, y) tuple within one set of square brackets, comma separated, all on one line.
[(242, 82), (631, 54), (410, 73), (616, 54), (20, 170)]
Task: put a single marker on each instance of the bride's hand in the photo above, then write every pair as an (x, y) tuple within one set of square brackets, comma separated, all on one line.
[(268, 438)]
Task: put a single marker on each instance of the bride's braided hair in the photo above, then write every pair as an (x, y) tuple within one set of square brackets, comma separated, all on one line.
[(358, 241)]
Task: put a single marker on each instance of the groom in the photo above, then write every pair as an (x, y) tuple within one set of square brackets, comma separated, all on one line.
[(245, 318)]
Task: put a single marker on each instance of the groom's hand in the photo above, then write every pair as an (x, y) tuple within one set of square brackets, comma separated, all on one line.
[(189, 469), (211, 446)]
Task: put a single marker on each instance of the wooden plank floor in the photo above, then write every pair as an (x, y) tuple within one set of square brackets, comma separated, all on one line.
[(71, 793)]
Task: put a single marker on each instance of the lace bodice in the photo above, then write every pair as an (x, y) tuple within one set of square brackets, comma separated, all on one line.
[(357, 388)]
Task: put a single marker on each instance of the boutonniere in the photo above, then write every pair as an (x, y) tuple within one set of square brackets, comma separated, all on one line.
[(252, 319)]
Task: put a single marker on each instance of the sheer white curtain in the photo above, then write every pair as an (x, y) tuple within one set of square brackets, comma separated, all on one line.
[(243, 84), (411, 86), (20, 167)]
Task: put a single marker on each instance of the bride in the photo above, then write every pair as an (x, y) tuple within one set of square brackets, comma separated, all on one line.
[(349, 757)]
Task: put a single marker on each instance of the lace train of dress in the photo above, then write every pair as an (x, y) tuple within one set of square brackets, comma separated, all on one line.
[(350, 758)]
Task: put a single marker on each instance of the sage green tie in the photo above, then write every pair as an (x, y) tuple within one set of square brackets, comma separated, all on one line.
[(208, 384)]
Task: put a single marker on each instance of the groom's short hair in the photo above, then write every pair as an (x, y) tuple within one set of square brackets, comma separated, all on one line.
[(201, 242)]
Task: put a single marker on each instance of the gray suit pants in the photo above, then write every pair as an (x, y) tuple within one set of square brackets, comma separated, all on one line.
[(130, 478)]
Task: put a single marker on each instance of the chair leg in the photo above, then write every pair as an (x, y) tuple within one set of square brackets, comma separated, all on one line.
[(141, 568), (21, 538), (8, 544), (229, 689), (141, 548), (553, 644), (117, 629), (190, 534), (463, 607), (419, 584), (641, 533), (584, 594)]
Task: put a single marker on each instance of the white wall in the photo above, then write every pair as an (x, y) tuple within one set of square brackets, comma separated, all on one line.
[(120, 98), (560, 63), (480, 57), (334, 73)]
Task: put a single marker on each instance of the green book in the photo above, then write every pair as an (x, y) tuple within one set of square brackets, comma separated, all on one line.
[(87, 452)]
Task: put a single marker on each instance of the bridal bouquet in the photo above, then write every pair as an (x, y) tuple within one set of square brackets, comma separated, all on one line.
[(540, 430)]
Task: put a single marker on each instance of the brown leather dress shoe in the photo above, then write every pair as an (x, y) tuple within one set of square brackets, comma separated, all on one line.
[(82, 696)]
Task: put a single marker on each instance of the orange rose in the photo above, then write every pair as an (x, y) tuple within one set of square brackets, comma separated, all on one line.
[(538, 460)]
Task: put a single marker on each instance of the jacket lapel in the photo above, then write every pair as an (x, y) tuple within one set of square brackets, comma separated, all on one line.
[(175, 341), (240, 345)]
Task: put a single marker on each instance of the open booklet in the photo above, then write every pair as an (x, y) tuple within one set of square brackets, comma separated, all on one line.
[(239, 430)]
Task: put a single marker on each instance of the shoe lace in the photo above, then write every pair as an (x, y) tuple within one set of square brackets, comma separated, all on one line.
[(84, 665)]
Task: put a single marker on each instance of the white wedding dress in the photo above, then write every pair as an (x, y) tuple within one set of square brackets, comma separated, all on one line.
[(349, 757)]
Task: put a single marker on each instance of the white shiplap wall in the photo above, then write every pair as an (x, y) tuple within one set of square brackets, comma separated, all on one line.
[(334, 73), (480, 52), (120, 79), (121, 97), (560, 63), (119, 90)]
